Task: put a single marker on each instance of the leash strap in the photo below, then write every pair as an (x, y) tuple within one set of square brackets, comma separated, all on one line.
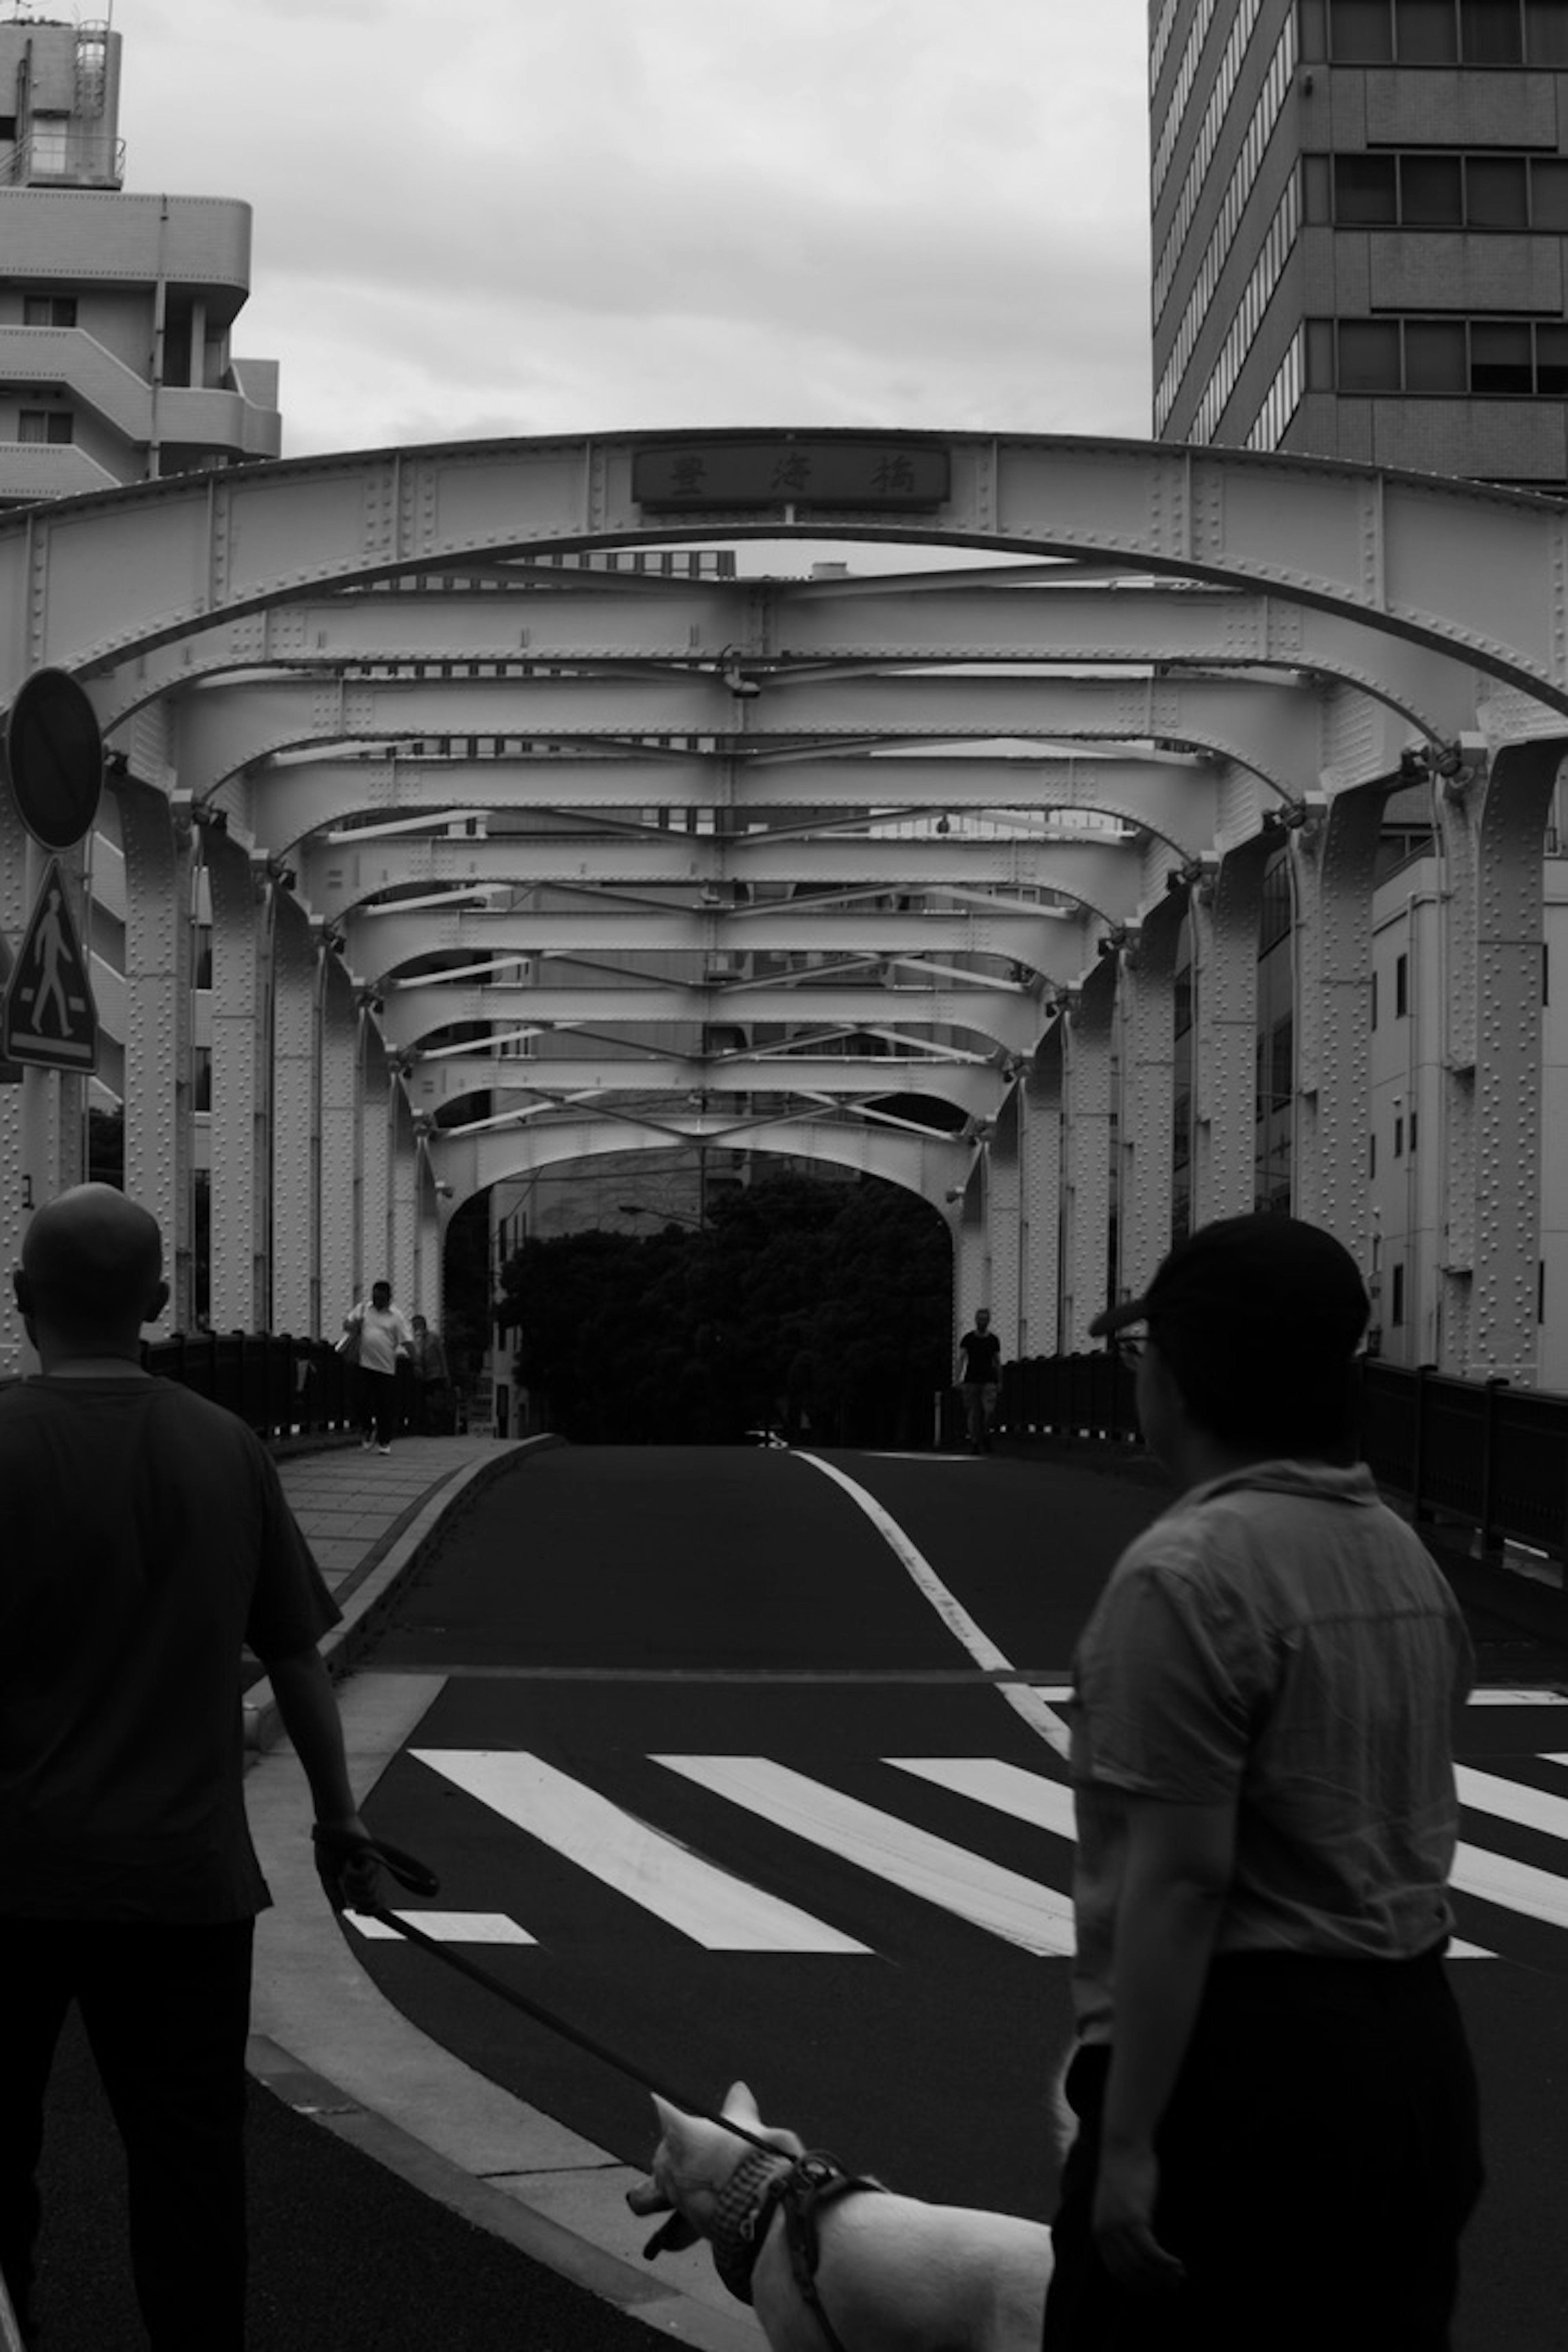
[(542, 2016)]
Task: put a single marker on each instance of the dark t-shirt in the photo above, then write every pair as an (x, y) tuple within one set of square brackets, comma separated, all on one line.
[(144, 1540), (981, 1353)]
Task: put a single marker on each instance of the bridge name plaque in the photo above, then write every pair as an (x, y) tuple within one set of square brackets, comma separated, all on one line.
[(868, 476)]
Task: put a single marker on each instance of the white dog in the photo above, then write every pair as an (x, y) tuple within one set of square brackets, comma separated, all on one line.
[(827, 2263)]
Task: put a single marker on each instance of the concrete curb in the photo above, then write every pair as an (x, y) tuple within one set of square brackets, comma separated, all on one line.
[(372, 1591)]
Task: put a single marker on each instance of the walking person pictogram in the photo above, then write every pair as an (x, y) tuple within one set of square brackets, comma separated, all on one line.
[(49, 1014)]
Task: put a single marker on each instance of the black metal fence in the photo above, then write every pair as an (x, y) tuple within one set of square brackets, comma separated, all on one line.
[(282, 1386), (1493, 1456)]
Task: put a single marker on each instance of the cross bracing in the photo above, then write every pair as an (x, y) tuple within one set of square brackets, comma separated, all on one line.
[(895, 862)]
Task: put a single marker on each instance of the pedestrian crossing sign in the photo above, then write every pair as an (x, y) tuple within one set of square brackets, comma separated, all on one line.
[(49, 1018)]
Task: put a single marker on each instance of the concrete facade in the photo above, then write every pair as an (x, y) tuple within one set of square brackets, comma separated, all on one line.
[(116, 310), (1360, 229)]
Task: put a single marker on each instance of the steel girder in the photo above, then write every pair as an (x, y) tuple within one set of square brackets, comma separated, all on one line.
[(1472, 580), (968, 1081), (544, 616), (1006, 1015), (1476, 572), (1171, 795), (1274, 728)]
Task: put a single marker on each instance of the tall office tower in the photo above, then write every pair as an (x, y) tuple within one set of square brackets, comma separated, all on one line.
[(115, 309), (1361, 231)]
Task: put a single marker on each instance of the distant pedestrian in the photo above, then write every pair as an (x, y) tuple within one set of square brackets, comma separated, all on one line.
[(147, 1542), (980, 1380), (427, 1363), (1277, 2120), (383, 1339)]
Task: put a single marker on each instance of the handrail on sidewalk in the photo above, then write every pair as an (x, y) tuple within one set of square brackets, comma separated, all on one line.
[(1481, 1452)]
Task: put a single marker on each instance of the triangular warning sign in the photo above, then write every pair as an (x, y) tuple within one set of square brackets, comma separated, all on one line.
[(49, 1017)]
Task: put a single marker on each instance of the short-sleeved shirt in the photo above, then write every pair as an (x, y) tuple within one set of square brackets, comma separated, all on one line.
[(146, 1543), (1281, 1640), (381, 1332), (981, 1353)]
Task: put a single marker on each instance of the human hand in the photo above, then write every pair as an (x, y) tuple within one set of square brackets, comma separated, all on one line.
[(347, 1863), (1124, 2224)]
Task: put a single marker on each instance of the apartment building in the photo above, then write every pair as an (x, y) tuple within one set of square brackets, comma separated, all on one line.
[(116, 309), (1360, 229)]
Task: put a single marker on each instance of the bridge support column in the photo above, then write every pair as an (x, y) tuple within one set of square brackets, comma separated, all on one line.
[(1003, 1225), (1086, 1111), (297, 1304), (158, 1121), (1040, 1107), (1332, 872), (1226, 912), (374, 1158), (341, 1279), (237, 1159), (407, 1173), (1146, 996), (1492, 995)]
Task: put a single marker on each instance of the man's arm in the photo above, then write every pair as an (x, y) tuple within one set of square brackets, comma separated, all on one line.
[(303, 1691), (1179, 1865)]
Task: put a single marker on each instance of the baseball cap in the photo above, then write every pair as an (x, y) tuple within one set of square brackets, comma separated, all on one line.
[(1254, 1277)]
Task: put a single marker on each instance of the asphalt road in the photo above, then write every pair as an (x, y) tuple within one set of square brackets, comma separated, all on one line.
[(604, 1612), (723, 1650)]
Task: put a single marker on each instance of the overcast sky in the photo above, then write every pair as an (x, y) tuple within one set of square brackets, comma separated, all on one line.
[(485, 217)]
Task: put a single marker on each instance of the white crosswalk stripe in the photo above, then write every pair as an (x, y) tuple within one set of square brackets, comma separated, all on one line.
[(1003, 1901), (723, 1910)]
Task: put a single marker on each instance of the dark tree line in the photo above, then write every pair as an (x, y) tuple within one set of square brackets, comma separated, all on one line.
[(819, 1308)]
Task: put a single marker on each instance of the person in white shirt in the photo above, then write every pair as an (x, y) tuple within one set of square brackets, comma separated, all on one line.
[(383, 1336)]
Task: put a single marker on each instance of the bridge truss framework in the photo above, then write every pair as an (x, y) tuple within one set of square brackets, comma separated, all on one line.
[(515, 855)]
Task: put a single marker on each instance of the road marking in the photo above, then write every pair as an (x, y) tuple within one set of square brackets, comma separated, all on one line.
[(1513, 1696), (1026, 1701), (1001, 1901), (1007, 1788), (445, 1927), (1512, 1800), (721, 1913), (1513, 1885), (1044, 1804)]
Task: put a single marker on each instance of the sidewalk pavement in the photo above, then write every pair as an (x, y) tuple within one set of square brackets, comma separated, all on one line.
[(327, 2042)]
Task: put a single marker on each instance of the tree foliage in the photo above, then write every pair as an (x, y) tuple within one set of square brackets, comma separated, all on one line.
[(820, 1308)]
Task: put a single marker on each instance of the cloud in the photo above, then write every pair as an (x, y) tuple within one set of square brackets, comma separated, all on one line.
[(560, 215)]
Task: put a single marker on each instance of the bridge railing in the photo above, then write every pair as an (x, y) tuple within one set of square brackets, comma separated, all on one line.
[(1493, 1456), (282, 1386)]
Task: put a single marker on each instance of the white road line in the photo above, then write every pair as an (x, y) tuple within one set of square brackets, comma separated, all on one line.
[(1511, 1801), (1511, 1696), (1514, 1885), (1045, 1805), (721, 1913), (1007, 1788), (1003, 1902), (1022, 1697), (445, 1927)]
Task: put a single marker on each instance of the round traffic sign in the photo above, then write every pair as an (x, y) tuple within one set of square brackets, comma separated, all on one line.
[(54, 758)]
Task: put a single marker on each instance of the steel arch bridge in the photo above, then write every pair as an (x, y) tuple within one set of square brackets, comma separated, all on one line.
[(524, 840)]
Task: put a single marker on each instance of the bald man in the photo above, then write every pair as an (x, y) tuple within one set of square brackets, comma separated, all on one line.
[(146, 1541)]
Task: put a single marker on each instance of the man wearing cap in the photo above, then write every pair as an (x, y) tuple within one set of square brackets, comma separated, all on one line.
[(1279, 2141)]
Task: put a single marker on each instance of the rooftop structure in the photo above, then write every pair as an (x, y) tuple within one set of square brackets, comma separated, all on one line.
[(115, 309)]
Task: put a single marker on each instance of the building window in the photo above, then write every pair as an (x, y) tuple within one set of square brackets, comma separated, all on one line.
[(1443, 32), (43, 425), (1413, 1134), (48, 310), (1371, 1155), (1401, 987), (1366, 191), (1396, 1296), (1399, 1136), (49, 140), (1360, 32), (1496, 191), (1497, 358), (1436, 190), (1369, 355), (1501, 359), (1431, 191)]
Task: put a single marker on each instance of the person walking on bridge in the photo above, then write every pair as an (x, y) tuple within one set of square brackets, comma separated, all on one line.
[(147, 1540), (1279, 2140), (980, 1380), (384, 1340)]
